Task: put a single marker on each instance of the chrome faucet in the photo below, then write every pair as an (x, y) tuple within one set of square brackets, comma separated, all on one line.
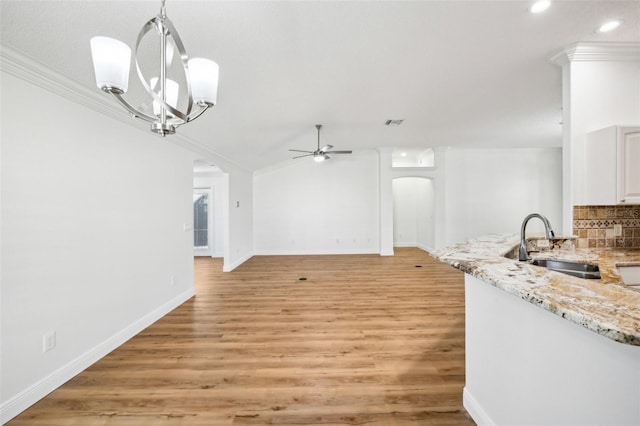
[(524, 254)]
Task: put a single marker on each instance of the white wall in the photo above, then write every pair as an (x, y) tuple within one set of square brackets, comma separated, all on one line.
[(304, 207), (215, 182), (426, 210), (239, 216), (492, 190), (413, 212), (385, 197), (93, 241)]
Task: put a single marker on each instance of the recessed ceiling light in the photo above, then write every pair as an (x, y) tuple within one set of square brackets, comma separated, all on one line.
[(608, 26), (403, 154), (540, 6)]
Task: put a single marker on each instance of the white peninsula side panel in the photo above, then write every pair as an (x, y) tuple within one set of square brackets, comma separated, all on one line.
[(527, 366)]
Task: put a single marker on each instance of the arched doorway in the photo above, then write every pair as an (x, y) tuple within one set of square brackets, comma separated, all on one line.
[(414, 212)]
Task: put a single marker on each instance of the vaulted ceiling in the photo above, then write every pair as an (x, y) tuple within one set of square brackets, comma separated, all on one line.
[(460, 73)]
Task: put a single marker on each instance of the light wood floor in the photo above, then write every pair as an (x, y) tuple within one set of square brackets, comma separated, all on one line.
[(363, 340)]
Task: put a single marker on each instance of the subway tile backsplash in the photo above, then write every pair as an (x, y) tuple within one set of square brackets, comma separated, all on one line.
[(593, 225)]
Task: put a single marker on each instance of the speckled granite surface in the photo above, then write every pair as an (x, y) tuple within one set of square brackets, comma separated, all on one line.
[(605, 306)]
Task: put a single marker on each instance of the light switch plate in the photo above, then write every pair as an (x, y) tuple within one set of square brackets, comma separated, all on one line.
[(49, 341)]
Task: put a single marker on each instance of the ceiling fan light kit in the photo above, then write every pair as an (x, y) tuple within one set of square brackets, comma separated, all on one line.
[(111, 63), (320, 154), (320, 157)]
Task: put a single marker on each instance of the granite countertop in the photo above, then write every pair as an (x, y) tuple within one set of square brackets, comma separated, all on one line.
[(605, 306)]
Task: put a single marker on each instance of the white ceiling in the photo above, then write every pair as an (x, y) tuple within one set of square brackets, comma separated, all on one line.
[(460, 73)]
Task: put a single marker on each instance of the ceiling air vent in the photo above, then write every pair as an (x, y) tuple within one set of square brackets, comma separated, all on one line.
[(393, 122)]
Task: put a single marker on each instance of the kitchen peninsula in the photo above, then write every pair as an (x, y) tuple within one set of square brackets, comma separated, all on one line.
[(545, 348)]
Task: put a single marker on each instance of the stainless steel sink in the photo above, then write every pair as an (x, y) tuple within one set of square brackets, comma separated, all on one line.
[(580, 270)]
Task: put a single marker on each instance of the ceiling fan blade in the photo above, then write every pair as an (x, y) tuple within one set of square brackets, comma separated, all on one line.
[(325, 148), (300, 156), (338, 152), (299, 150)]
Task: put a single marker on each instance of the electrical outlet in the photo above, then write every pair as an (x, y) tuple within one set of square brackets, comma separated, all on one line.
[(173, 280), (617, 230), (49, 341)]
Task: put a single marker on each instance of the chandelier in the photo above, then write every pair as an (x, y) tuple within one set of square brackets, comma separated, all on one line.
[(111, 63)]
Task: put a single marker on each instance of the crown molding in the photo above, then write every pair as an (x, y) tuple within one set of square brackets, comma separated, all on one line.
[(22, 66), (25, 68), (597, 52)]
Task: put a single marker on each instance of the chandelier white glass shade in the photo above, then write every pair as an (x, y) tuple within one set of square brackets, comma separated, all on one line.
[(203, 74), (111, 63)]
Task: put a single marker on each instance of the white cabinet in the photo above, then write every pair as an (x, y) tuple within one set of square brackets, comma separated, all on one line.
[(613, 166)]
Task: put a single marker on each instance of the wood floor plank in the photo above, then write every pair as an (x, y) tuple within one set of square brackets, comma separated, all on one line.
[(365, 339)]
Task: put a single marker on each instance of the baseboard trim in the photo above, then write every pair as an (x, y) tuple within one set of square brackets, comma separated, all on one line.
[(425, 248), (418, 245), (234, 265), (312, 252), (406, 244), (16, 405), (475, 410)]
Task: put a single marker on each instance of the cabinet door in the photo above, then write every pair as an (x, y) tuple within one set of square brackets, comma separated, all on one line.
[(629, 165), (601, 167)]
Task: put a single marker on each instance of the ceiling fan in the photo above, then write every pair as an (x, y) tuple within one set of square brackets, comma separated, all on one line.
[(319, 154)]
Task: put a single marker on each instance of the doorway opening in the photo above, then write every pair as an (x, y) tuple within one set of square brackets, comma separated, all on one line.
[(209, 189), (201, 229), (414, 212)]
